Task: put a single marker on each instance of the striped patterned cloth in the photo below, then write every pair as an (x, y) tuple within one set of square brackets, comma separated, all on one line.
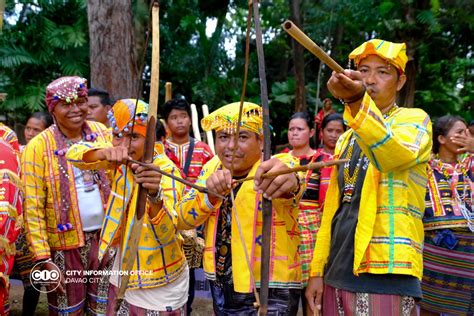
[(448, 275), (337, 302), (310, 206)]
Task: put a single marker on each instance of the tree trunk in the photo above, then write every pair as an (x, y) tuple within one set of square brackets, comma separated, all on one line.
[(298, 60), (112, 47)]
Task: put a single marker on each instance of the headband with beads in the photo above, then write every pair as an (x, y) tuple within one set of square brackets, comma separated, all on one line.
[(120, 117), (65, 89)]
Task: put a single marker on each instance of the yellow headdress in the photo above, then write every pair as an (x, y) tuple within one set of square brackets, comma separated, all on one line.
[(394, 53), (226, 117)]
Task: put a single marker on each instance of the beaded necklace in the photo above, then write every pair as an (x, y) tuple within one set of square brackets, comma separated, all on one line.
[(350, 180), (459, 202)]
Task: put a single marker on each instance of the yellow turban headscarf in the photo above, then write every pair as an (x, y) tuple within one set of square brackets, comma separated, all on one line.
[(394, 53), (226, 117), (121, 115)]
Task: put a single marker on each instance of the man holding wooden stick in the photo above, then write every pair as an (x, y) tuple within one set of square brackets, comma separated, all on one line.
[(159, 278), (233, 228), (368, 254)]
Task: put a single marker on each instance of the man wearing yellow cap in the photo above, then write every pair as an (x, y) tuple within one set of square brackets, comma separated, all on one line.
[(368, 254), (159, 277), (233, 232)]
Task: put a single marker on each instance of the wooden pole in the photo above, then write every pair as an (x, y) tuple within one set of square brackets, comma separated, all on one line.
[(2, 12), (130, 255), (195, 122), (311, 166), (168, 94), (183, 181), (210, 137), (266, 204), (304, 40)]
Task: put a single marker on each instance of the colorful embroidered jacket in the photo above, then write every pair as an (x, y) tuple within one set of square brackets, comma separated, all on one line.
[(202, 153), (10, 211), (40, 175), (285, 270), (160, 257), (9, 136), (389, 233), (450, 188)]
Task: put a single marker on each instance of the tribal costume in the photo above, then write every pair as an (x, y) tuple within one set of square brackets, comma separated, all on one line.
[(160, 258), (448, 254), (224, 253), (53, 222), (9, 136), (10, 217), (371, 235), (311, 206)]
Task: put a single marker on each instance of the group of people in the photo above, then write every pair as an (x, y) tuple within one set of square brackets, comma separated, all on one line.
[(388, 229)]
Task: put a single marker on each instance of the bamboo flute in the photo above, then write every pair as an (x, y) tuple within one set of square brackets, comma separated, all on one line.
[(307, 43)]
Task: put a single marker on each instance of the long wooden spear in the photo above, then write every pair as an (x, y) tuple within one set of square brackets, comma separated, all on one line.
[(129, 256)]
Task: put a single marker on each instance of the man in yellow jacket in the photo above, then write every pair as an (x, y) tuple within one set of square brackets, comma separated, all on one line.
[(159, 277), (368, 254), (233, 232)]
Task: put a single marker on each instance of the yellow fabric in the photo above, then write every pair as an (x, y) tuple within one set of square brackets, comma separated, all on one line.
[(226, 118), (160, 254), (389, 233), (40, 176), (394, 53), (285, 271)]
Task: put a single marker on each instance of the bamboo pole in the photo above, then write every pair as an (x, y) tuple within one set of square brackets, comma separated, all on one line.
[(210, 137), (129, 256), (2, 12), (195, 122), (307, 43), (168, 94)]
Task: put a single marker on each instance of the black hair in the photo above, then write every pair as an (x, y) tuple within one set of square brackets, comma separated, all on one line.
[(442, 127), (102, 94), (160, 130), (45, 117), (471, 123), (303, 115), (176, 104), (333, 117)]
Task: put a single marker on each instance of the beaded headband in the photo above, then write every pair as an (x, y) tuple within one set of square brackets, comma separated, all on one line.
[(65, 89), (120, 116)]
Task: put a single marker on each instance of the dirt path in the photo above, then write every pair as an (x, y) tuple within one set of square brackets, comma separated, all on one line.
[(201, 306)]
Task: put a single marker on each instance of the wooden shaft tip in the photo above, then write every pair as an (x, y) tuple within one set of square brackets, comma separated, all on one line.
[(287, 24)]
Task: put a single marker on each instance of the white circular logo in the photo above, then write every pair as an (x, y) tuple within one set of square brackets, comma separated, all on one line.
[(50, 279)]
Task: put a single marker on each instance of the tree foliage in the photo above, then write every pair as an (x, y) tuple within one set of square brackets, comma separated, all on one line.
[(51, 40), (41, 40)]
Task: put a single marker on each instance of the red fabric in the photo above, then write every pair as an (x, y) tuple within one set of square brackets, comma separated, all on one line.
[(201, 154)]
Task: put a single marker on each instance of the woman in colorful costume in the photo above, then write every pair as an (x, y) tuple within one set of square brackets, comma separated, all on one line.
[(448, 253), (64, 206), (312, 201), (10, 215)]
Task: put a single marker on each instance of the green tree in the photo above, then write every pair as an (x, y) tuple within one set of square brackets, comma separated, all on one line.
[(40, 42)]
